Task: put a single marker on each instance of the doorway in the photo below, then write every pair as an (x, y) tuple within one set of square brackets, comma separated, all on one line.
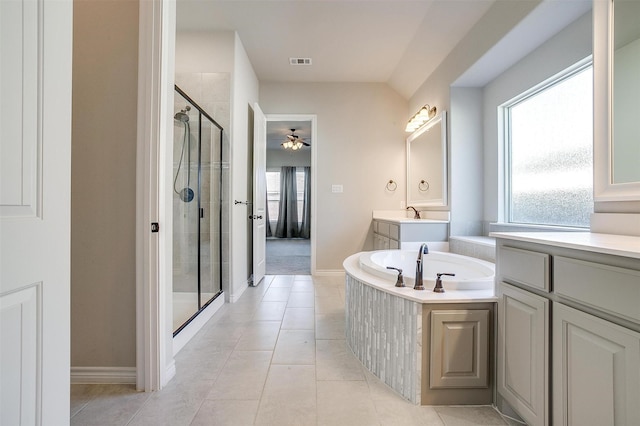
[(290, 179)]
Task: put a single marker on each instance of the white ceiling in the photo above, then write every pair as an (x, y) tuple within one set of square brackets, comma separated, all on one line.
[(399, 42)]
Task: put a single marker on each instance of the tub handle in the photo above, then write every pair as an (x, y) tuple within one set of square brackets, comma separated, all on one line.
[(438, 288), (400, 281)]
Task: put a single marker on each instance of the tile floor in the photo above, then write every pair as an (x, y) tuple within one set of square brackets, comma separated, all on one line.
[(276, 357)]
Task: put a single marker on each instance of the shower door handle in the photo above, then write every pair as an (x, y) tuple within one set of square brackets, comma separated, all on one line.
[(201, 213)]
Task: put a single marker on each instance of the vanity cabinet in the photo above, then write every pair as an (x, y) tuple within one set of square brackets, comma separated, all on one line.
[(578, 306), (596, 370), (523, 353), (390, 234), (386, 235)]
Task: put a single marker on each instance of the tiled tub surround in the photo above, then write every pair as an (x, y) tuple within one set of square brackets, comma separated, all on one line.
[(385, 333), (384, 329)]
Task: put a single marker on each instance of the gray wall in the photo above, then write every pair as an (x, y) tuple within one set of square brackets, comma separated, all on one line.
[(360, 144), (103, 183)]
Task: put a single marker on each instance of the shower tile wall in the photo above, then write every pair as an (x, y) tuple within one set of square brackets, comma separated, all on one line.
[(212, 91)]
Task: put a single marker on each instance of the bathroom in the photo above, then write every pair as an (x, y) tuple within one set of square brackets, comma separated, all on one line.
[(361, 142)]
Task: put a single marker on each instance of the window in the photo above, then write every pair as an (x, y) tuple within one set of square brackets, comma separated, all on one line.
[(549, 140), (273, 193)]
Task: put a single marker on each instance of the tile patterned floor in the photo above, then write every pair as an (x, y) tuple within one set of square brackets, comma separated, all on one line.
[(276, 357)]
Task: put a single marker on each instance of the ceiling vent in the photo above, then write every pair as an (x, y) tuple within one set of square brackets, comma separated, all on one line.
[(300, 61)]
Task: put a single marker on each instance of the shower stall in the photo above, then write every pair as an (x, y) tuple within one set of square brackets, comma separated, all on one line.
[(197, 210)]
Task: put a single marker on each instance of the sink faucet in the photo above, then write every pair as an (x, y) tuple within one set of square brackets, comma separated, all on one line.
[(424, 249), (416, 214)]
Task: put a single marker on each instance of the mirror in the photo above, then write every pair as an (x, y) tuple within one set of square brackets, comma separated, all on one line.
[(616, 68), (427, 164), (626, 92)]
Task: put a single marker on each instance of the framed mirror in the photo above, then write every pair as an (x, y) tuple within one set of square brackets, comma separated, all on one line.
[(616, 68), (427, 164)]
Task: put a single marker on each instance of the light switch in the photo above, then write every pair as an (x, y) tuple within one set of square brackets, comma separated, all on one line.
[(336, 189)]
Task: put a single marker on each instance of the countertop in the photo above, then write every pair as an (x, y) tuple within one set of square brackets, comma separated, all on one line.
[(402, 216), (352, 267), (407, 220), (617, 245)]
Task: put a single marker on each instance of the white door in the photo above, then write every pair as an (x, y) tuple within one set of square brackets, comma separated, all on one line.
[(35, 169), (259, 194)]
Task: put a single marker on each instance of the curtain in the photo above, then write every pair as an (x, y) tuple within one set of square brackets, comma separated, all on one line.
[(288, 226), (305, 226)]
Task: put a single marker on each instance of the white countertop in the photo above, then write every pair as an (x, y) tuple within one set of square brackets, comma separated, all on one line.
[(617, 245), (352, 267), (402, 216), (407, 220)]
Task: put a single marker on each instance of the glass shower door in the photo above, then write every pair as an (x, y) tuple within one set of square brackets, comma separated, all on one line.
[(185, 213), (210, 205), (197, 153)]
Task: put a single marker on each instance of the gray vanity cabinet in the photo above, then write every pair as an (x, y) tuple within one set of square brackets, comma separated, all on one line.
[(579, 309), (390, 234), (386, 235), (596, 369), (523, 352)]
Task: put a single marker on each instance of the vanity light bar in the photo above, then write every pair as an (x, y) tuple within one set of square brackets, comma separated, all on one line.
[(425, 114)]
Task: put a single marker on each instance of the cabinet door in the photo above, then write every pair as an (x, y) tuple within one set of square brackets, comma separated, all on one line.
[(459, 349), (380, 242), (596, 366), (523, 354)]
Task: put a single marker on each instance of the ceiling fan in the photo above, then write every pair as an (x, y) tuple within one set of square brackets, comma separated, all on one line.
[(293, 142)]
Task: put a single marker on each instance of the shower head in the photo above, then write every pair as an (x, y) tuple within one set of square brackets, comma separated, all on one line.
[(182, 114)]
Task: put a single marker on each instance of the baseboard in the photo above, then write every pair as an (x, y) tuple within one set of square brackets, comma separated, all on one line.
[(103, 375), (169, 373), (238, 292), (329, 273)]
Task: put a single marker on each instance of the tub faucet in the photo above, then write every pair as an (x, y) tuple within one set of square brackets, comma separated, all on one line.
[(416, 213), (424, 249)]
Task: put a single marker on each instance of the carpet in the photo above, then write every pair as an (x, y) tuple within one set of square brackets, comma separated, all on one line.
[(288, 256)]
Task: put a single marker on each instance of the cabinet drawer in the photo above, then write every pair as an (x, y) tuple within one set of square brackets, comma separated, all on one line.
[(608, 288), (525, 267)]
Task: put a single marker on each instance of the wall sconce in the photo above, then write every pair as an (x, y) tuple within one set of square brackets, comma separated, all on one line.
[(425, 114)]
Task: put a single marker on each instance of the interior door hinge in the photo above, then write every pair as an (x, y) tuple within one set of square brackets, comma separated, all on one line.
[(155, 227)]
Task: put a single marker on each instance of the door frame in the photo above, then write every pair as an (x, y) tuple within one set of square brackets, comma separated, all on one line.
[(313, 118), (155, 365)]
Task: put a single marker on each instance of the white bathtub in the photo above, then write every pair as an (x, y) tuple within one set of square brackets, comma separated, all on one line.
[(470, 273)]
